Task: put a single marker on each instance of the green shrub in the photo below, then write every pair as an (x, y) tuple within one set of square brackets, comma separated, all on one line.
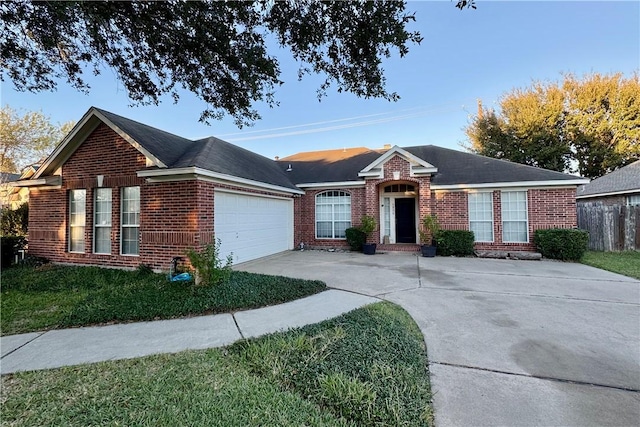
[(455, 242), (9, 246), (429, 229), (15, 222), (561, 243), (210, 269), (355, 238)]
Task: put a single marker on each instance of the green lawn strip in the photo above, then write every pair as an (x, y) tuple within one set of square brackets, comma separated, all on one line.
[(626, 263), (62, 296), (366, 368)]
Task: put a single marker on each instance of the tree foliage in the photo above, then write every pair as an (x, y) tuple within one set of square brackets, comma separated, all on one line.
[(27, 138), (589, 125), (217, 50)]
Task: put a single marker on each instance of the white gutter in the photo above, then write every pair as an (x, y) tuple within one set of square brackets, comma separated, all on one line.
[(341, 184), (554, 183), (612, 193), (157, 175)]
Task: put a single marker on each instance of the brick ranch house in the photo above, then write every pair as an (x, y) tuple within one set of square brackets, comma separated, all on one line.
[(116, 192)]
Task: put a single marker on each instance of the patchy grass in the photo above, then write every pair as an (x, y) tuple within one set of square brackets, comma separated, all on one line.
[(60, 296), (626, 263), (366, 368)]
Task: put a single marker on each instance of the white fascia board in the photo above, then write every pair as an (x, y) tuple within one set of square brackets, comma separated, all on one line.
[(79, 133), (49, 181), (82, 129), (343, 184), (421, 170), (523, 184), (162, 175), (130, 140), (374, 173), (611, 193), (390, 153)]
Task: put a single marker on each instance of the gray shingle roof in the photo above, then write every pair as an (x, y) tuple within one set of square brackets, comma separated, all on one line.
[(166, 146), (220, 156), (454, 167), (624, 179), (211, 153)]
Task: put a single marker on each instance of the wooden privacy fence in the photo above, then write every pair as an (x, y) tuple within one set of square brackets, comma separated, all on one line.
[(611, 228)]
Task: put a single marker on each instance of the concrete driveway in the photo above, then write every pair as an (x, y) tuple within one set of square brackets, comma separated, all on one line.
[(510, 342)]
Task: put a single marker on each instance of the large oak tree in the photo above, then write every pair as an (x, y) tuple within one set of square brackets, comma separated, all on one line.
[(215, 49), (589, 125)]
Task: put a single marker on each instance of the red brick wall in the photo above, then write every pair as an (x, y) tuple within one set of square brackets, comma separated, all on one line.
[(305, 218), (175, 216), (547, 208), (618, 199)]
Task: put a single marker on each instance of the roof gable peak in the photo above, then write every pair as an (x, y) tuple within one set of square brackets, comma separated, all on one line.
[(419, 167)]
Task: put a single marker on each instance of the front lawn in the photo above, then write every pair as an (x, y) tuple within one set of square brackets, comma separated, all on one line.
[(365, 368), (51, 296), (626, 263)]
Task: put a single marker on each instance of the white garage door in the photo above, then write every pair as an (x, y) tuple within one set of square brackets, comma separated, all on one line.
[(252, 226)]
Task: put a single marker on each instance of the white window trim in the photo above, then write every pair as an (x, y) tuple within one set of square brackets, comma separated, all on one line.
[(122, 226), (493, 234), (71, 227), (333, 221), (95, 223), (526, 212)]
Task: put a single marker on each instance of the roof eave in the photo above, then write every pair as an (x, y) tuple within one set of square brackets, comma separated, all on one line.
[(608, 193), (171, 174)]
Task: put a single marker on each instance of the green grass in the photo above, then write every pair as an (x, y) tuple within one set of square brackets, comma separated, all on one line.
[(626, 263), (52, 296), (366, 368)]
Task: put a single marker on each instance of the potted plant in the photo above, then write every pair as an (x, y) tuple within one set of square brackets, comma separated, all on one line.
[(428, 233), (367, 225)]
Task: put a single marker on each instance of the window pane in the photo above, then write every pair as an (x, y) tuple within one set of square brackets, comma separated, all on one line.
[(103, 240), (131, 206), (130, 241), (76, 239)]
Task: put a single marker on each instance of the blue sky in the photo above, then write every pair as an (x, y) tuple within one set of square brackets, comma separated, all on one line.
[(465, 56)]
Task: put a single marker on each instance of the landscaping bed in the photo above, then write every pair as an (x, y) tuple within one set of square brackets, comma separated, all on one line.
[(365, 368), (54, 296)]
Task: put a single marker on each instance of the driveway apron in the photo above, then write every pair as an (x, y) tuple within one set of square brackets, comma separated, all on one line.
[(513, 343)]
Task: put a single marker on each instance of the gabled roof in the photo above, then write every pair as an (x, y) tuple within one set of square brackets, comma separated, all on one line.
[(623, 180), (169, 152), (454, 168), (418, 166)]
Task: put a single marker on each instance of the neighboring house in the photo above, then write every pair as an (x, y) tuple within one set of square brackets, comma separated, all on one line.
[(620, 187), (609, 209), (119, 193), (11, 196)]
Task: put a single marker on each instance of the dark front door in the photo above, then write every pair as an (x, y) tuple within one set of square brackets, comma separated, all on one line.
[(405, 220)]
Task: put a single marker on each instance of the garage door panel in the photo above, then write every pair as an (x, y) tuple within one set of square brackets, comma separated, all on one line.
[(251, 226)]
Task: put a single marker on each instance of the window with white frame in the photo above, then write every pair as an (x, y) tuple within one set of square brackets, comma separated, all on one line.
[(481, 216), (130, 221), (515, 228), (633, 200), (77, 219), (333, 214), (102, 221)]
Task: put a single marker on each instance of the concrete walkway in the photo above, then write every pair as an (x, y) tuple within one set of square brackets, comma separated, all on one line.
[(66, 347)]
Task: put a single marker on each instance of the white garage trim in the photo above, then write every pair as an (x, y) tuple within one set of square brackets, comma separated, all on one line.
[(252, 226)]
